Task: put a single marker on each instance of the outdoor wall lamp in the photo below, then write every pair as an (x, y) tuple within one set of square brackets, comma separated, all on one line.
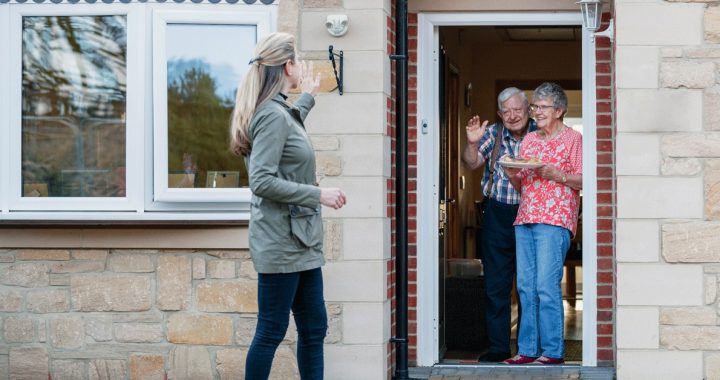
[(592, 13), (337, 25), (338, 72)]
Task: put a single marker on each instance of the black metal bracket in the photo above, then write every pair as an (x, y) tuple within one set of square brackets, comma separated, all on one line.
[(338, 73)]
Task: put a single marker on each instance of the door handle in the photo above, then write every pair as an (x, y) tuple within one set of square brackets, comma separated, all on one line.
[(451, 201)]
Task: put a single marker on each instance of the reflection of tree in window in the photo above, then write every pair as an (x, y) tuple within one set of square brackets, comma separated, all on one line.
[(74, 104), (198, 120)]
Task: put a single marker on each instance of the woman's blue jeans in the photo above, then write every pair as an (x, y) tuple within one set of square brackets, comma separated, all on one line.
[(541, 250), (278, 293)]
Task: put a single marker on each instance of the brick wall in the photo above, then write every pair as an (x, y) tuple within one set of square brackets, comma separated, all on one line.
[(412, 186), (390, 187), (606, 186)]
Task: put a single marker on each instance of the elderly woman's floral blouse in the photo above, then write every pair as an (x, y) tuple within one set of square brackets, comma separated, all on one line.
[(543, 200)]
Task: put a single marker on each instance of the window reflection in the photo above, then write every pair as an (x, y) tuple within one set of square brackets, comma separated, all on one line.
[(73, 106), (204, 66)]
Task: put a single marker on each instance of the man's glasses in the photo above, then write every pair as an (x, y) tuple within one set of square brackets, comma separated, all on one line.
[(540, 107)]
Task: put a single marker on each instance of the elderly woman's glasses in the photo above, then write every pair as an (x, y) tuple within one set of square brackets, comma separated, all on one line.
[(540, 107)]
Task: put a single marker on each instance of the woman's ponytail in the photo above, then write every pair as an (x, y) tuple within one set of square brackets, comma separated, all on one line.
[(262, 82)]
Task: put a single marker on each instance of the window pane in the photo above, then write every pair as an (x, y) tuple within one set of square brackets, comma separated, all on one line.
[(73, 106), (204, 66)]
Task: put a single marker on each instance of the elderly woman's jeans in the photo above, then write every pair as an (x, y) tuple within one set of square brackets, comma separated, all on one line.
[(541, 250), (278, 293)]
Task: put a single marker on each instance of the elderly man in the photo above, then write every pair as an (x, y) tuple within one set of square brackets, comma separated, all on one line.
[(500, 207)]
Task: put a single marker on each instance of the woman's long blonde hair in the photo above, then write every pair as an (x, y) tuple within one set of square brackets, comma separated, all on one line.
[(263, 81)]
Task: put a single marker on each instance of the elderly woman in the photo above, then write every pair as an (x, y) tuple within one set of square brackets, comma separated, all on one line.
[(546, 222)]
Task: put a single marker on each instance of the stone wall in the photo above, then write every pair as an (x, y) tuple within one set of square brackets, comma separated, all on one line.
[(668, 189), (140, 314), (116, 313), (353, 151)]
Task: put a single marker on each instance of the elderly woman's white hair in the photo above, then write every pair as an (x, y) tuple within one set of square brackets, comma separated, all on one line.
[(555, 93)]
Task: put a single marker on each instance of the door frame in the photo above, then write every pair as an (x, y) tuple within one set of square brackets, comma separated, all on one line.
[(428, 169)]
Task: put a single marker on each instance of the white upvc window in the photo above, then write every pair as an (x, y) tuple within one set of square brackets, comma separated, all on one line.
[(76, 106), (121, 111), (198, 60)]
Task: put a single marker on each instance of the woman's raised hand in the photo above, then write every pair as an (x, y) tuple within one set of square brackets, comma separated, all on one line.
[(475, 130), (309, 80), (332, 197)]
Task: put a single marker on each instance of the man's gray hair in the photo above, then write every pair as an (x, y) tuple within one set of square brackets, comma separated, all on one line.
[(509, 93), (552, 91)]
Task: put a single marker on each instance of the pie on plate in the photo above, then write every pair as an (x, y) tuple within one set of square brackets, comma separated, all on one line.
[(529, 162)]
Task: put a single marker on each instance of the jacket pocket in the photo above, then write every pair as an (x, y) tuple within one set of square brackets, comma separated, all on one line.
[(306, 225)]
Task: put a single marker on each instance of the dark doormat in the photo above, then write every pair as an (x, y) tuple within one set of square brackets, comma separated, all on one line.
[(465, 314)]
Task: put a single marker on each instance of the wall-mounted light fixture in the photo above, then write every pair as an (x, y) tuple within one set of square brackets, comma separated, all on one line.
[(337, 25), (592, 14)]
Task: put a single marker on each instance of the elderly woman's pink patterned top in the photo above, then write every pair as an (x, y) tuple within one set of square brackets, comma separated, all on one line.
[(543, 200)]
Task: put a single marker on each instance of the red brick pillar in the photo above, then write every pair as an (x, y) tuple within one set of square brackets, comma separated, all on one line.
[(606, 199)]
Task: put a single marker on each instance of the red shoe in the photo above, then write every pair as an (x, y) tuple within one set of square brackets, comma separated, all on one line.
[(545, 360), (519, 359)]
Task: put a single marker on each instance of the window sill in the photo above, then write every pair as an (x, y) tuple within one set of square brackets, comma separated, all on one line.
[(35, 219)]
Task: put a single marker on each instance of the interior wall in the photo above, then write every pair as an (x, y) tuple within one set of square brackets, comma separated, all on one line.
[(484, 58)]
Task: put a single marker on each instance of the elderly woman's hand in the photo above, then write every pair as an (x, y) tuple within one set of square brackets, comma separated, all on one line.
[(510, 172), (551, 173)]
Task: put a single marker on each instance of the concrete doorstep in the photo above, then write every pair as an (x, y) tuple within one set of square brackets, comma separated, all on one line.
[(504, 372)]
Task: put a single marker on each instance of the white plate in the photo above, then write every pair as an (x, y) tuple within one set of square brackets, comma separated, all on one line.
[(521, 165)]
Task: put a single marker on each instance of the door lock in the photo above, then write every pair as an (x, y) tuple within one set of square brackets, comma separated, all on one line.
[(442, 216)]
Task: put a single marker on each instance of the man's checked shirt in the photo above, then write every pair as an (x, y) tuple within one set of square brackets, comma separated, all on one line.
[(502, 190)]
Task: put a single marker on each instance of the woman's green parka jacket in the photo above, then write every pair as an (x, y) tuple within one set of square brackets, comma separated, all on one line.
[(286, 232)]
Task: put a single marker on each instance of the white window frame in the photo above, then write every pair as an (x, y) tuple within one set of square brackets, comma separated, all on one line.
[(133, 125), (139, 205), (4, 108), (262, 20), (427, 184)]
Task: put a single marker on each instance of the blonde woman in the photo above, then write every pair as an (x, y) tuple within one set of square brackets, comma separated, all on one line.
[(285, 232)]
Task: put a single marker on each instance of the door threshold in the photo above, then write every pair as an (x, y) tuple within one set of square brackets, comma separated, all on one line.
[(504, 366), (496, 371)]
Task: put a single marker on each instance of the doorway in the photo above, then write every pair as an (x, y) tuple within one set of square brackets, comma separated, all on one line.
[(464, 61)]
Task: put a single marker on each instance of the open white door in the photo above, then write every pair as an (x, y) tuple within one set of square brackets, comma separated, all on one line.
[(428, 170)]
